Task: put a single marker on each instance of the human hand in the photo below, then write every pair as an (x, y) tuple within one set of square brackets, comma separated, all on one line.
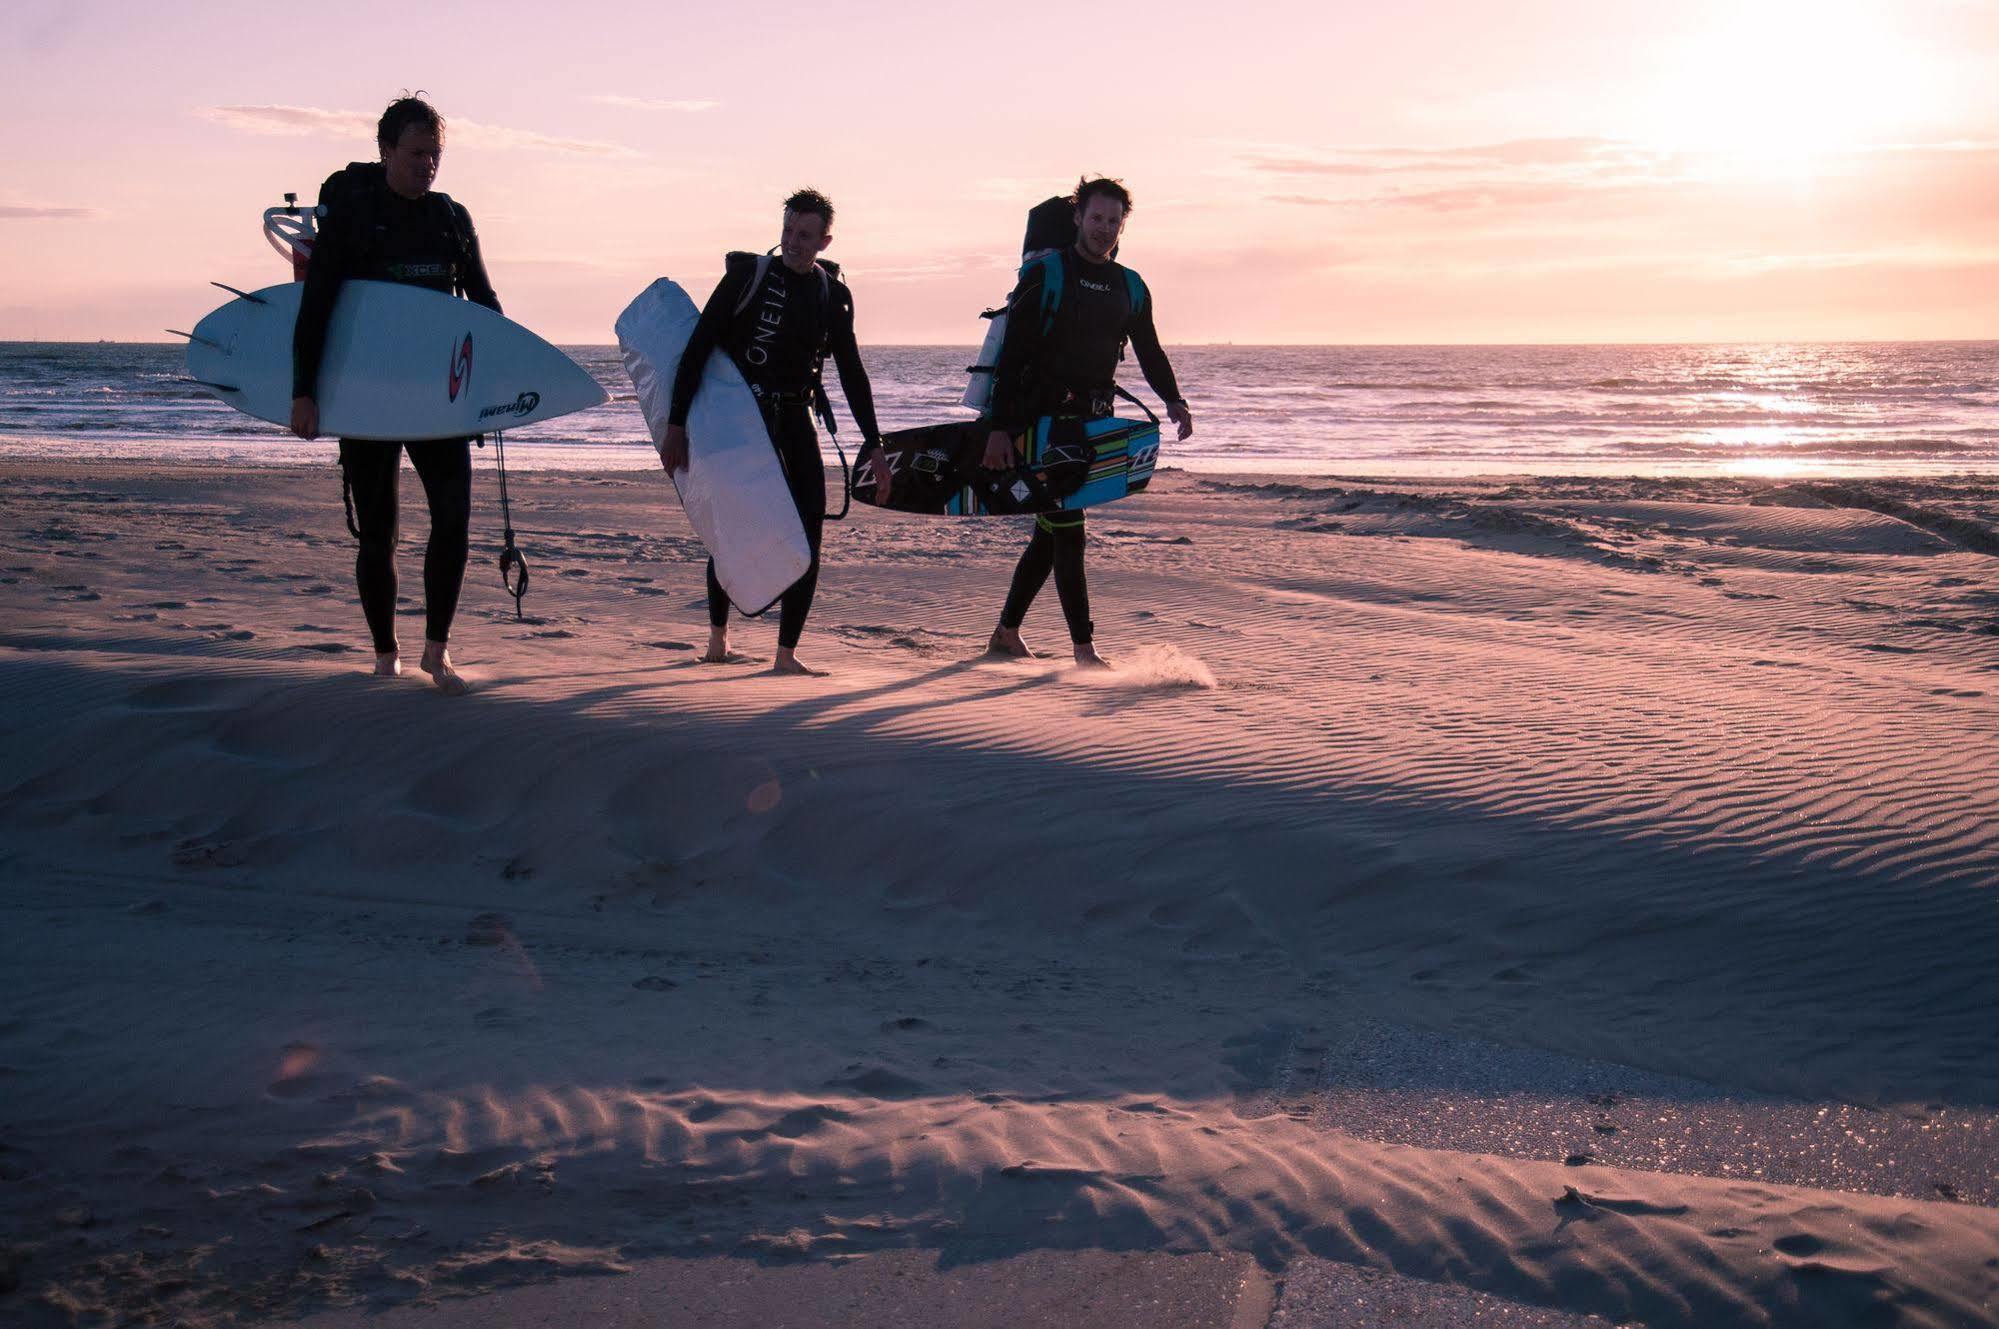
[(673, 451), (305, 417), (1180, 415), (999, 451)]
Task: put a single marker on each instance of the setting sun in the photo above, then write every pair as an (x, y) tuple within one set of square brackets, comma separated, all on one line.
[(1783, 87)]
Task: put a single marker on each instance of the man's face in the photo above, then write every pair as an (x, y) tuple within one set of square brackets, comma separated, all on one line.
[(412, 162), (805, 236), (1098, 226)]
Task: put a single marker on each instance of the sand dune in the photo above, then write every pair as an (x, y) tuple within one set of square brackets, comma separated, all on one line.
[(1574, 894)]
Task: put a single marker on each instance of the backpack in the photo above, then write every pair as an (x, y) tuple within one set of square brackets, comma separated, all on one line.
[(829, 277), (1055, 278), (357, 188)]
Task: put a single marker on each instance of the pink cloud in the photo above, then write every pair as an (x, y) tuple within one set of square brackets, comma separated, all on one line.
[(30, 212), (304, 120)]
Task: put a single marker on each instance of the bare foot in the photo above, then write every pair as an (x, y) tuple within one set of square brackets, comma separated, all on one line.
[(1087, 657), (718, 647), (437, 663), (788, 663), (1006, 641), (388, 664)]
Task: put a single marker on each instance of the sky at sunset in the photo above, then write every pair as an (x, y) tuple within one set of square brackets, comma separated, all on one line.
[(1433, 171)]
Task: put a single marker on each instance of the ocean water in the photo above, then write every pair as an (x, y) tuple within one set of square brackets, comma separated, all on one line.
[(1894, 408)]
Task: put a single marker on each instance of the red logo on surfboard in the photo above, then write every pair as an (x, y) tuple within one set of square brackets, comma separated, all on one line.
[(461, 366)]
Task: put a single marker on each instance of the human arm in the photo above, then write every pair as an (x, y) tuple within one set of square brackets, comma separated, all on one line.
[(854, 383), (474, 282), (332, 256), (1012, 408), (1158, 369), (701, 343)]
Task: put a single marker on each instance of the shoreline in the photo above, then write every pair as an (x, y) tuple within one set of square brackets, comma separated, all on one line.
[(639, 458)]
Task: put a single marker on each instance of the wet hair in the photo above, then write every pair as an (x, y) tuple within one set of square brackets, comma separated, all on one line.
[(406, 110), (1086, 189), (811, 200)]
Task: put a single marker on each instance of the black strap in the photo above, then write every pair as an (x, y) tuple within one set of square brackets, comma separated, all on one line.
[(824, 408), (513, 568), (1135, 402)]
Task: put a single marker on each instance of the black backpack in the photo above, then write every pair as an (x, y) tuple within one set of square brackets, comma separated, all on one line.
[(358, 189)]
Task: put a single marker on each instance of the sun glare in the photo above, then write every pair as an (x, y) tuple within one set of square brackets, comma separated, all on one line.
[(1778, 88)]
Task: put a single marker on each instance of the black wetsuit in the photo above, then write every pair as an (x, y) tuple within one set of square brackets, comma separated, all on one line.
[(370, 232), (1069, 370), (779, 338)]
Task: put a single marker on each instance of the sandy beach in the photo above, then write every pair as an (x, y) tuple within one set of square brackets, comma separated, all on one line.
[(1512, 901)]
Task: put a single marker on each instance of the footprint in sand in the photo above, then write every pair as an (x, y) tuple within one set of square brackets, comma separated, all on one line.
[(180, 694), (135, 618), (202, 853), (671, 645), (879, 1082), (324, 647)]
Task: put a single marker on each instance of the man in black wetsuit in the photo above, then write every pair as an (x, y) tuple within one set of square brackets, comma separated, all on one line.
[(384, 223), (1068, 369), (778, 319)]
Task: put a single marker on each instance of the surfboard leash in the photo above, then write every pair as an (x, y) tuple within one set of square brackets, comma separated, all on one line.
[(823, 408), (513, 568)]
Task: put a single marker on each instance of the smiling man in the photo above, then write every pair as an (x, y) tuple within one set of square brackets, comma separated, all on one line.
[(383, 222), (1059, 358)]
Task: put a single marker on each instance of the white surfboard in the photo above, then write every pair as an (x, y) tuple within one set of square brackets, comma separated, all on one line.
[(733, 487), (401, 362)]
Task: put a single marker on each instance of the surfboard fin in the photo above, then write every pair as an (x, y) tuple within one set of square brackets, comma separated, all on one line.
[(219, 387), (253, 299), (191, 337)]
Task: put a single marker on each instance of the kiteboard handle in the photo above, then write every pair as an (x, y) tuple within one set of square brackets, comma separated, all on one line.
[(1135, 402)]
